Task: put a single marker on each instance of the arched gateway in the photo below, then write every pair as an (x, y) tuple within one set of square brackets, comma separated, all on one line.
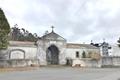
[(51, 48), (52, 55)]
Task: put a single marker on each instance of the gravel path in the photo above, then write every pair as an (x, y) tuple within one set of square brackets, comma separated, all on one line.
[(63, 73)]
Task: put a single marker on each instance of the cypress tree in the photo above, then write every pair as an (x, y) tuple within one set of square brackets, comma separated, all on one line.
[(4, 30)]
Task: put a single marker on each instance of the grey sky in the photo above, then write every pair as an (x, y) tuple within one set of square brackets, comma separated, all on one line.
[(76, 20)]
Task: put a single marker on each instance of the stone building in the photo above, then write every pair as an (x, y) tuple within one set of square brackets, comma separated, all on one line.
[(110, 54), (18, 54), (105, 49), (54, 49), (51, 49)]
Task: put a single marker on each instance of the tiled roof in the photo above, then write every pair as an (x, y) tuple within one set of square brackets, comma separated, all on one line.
[(88, 46), (21, 43)]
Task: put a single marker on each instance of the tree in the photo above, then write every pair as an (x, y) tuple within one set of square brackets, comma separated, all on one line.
[(22, 34), (15, 33), (83, 54), (118, 42), (4, 30)]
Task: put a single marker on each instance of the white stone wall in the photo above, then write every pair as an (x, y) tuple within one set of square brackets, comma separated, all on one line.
[(110, 61), (30, 52), (116, 61), (115, 50), (43, 46), (71, 53)]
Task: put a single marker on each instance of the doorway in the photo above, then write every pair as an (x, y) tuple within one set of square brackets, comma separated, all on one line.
[(52, 55)]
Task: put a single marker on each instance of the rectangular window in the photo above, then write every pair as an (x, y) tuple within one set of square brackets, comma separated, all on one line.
[(77, 54)]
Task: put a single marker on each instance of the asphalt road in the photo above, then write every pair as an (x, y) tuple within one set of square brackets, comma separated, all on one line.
[(63, 73)]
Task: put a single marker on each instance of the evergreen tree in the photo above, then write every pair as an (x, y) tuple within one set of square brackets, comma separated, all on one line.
[(83, 54), (118, 42), (4, 30), (18, 34)]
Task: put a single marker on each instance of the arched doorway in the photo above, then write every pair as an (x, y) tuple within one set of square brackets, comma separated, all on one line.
[(52, 55)]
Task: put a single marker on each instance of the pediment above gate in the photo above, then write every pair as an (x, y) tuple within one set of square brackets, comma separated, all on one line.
[(53, 36)]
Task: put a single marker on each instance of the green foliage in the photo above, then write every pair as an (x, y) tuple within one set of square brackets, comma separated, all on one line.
[(83, 54), (4, 25), (22, 35), (118, 42), (4, 30), (3, 40)]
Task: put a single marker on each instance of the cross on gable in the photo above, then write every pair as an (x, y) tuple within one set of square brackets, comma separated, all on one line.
[(103, 39), (52, 28)]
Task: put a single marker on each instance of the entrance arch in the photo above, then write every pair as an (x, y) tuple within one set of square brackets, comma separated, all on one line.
[(52, 55)]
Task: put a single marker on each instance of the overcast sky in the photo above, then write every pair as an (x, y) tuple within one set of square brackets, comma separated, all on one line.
[(76, 20)]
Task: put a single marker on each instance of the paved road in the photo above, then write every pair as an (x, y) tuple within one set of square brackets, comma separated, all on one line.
[(63, 73)]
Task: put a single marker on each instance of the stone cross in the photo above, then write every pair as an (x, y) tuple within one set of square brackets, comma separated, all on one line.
[(52, 28), (103, 39)]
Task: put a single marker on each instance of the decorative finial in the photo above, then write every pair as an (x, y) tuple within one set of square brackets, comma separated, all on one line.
[(52, 28), (91, 41), (15, 25), (103, 39)]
